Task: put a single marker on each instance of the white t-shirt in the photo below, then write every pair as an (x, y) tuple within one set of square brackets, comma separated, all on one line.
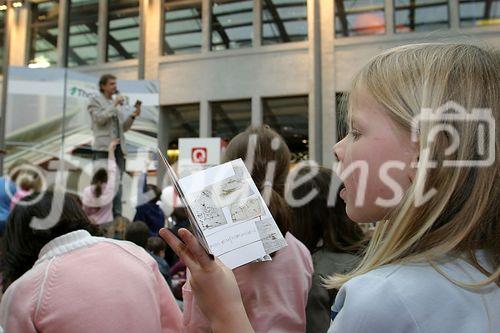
[(416, 298)]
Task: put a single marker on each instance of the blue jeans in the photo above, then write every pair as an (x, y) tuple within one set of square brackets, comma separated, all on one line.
[(120, 162)]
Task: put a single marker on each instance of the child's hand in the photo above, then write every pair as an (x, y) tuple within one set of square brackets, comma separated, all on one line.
[(213, 284), (113, 144)]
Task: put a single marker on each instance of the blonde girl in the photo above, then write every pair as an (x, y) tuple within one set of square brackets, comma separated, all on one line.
[(433, 262)]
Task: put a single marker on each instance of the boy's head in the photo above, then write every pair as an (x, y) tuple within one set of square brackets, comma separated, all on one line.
[(137, 233), (156, 245)]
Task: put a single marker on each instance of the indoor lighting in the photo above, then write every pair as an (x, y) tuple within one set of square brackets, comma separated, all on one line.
[(40, 62), (17, 4), (3, 7)]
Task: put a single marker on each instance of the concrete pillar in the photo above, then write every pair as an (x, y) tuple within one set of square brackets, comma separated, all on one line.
[(389, 17), (205, 119), (153, 35), (329, 121), (62, 36), (142, 38), (257, 23), (102, 31), (454, 13), (257, 114), (206, 26), (19, 22), (314, 80)]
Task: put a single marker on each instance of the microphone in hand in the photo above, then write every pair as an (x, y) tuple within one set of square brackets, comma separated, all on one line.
[(119, 99)]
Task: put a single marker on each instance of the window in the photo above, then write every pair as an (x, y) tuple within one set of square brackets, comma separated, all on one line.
[(232, 24), (289, 117), (82, 40), (420, 15), (284, 21), (182, 27), (123, 30), (230, 118), (359, 17), (43, 42), (183, 121), (479, 12)]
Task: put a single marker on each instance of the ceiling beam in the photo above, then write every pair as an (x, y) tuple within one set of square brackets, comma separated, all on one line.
[(270, 116), (217, 26), (225, 118), (277, 20), (184, 124), (112, 41), (411, 15), (71, 53), (167, 47), (342, 18)]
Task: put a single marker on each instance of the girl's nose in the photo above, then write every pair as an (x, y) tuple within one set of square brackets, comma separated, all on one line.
[(339, 149)]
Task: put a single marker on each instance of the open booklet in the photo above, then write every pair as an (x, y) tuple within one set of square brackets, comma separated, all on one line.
[(228, 215)]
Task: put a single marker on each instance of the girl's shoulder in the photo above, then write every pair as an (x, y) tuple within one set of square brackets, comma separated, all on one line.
[(416, 298)]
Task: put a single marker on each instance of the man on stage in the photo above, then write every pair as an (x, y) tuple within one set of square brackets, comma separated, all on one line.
[(109, 122)]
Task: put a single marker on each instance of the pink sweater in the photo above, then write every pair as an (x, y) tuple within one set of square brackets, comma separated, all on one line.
[(101, 209), (83, 284), (274, 293)]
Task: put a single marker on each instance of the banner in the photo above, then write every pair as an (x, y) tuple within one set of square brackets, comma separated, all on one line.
[(43, 104)]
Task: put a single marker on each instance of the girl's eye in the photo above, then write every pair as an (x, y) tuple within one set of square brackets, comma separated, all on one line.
[(355, 134)]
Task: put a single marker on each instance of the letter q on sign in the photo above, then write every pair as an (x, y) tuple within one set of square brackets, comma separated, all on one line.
[(199, 155)]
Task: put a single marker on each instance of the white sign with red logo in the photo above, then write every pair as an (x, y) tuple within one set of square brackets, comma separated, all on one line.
[(197, 154)]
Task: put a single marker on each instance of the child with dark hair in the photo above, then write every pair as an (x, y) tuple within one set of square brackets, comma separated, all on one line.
[(156, 247), (150, 212), (274, 292), (65, 280), (117, 229), (137, 233), (333, 239), (97, 199)]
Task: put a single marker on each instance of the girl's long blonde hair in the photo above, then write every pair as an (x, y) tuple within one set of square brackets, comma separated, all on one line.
[(463, 216)]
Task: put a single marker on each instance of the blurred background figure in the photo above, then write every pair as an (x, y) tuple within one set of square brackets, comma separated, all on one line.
[(274, 292), (53, 276), (109, 123), (150, 212), (333, 240), (137, 233), (97, 198), (156, 247), (118, 227), (26, 176), (7, 192)]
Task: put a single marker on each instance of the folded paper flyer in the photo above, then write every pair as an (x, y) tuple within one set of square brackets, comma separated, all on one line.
[(227, 213)]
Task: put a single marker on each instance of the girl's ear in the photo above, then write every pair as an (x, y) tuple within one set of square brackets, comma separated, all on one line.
[(412, 170)]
